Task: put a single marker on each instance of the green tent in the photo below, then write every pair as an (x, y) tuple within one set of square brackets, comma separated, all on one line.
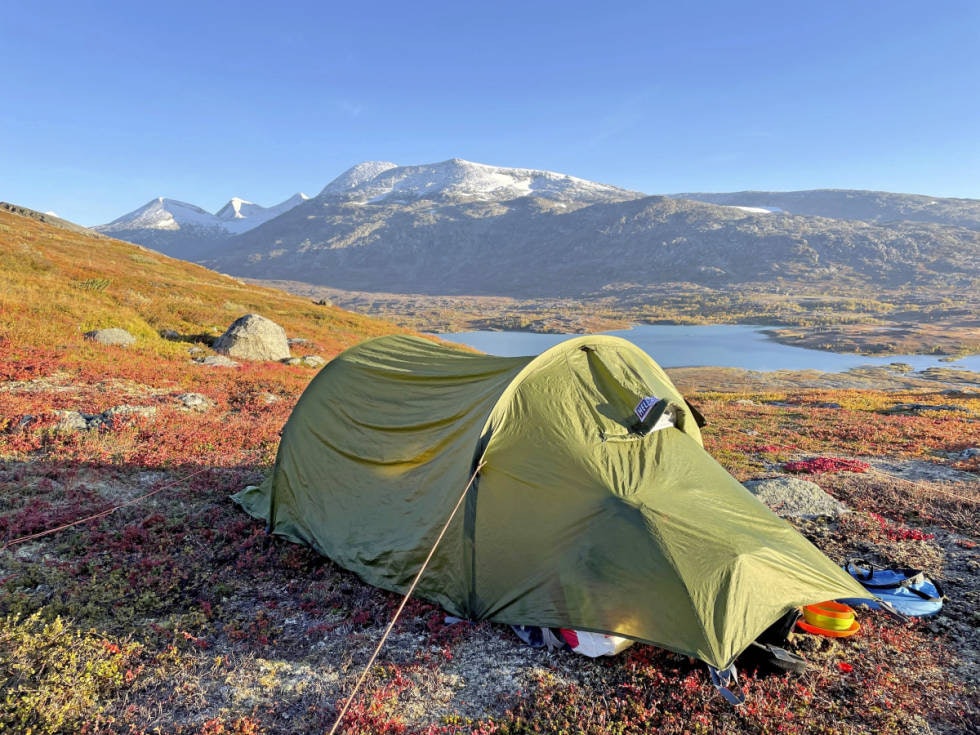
[(576, 519)]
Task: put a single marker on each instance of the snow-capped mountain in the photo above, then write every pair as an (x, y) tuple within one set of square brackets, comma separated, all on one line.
[(456, 179), (187, 231), (162, 214), (239, 215)]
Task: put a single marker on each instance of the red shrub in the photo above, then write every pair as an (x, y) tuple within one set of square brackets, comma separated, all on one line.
[(818, 465)]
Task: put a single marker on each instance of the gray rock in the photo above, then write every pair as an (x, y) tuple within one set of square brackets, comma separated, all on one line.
[(127, 410), (72, 421), (313, 361), (968, 453), (791, 497), (195, 401), (217, 361), (114, 336), (253, 337)]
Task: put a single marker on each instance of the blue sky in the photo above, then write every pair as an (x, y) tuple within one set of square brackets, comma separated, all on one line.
[(106, 105)]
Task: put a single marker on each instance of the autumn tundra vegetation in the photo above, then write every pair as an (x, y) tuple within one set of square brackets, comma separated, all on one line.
[(136, 597)]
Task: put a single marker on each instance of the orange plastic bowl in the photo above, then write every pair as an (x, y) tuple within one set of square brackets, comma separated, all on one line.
[(854, 628), (829, 615)]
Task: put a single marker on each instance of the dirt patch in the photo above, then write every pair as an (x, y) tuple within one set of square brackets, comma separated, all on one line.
[(917, 471)]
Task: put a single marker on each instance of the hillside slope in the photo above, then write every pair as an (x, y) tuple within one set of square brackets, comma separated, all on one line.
[(56, 283)]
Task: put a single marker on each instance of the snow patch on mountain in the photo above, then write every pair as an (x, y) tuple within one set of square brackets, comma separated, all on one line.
[(238, 208), (757, 210)]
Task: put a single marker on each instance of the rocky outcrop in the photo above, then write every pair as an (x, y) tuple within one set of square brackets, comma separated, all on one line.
[(791, 497)]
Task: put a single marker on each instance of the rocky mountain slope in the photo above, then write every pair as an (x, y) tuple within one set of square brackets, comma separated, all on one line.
[(878, 207), (534, 246)]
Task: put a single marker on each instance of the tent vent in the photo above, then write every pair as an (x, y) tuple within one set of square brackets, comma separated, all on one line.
[(650, 412)]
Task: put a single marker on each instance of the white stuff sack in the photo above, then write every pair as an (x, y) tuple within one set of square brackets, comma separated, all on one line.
[(594, 644)]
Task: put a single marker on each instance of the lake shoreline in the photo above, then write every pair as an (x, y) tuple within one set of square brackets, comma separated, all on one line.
[(747, 357)]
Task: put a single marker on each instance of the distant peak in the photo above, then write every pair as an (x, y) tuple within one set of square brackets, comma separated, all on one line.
[(375, 182), (236, 208), (357, 176)]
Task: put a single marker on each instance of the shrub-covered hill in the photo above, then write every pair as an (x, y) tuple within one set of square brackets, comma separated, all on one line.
[(57, 283), (136, 598)]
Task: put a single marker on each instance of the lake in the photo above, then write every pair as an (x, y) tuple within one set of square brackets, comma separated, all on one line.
[(716, 345)]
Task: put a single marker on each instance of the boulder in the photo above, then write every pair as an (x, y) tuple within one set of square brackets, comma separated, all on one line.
[(791, 497), (253, 337), (114, 336)]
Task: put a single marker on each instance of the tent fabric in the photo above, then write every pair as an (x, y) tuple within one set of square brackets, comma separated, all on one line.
[(573, 521)]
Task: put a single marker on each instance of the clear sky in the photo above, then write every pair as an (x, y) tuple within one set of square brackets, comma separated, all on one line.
[(106, 105)]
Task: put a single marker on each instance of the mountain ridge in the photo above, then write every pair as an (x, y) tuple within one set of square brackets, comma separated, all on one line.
[(879, 207), (457, 227)]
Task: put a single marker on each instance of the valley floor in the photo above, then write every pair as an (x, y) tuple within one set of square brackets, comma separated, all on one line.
[(891, 323)]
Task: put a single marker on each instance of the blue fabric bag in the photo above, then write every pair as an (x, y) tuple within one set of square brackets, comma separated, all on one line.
[(909, 592)]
